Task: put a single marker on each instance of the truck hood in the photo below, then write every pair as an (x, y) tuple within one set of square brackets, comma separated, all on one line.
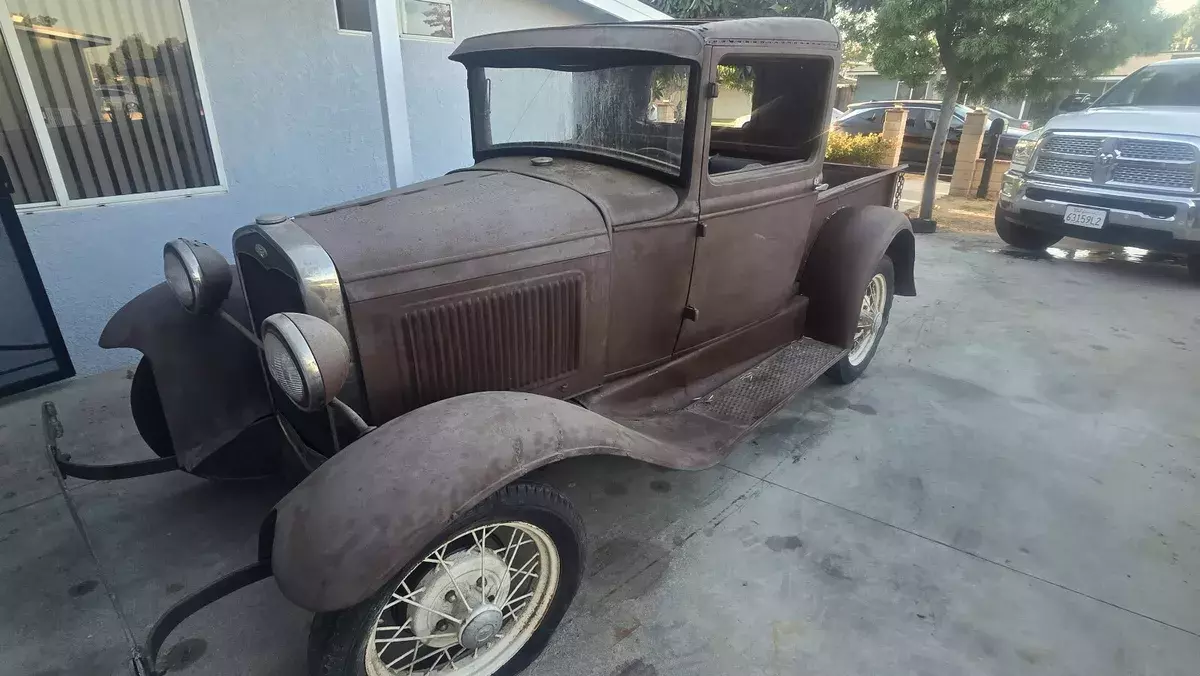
[(1171, 120), (501, 215)]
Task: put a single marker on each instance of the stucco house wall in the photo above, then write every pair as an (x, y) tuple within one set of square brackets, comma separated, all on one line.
[(297, 114)]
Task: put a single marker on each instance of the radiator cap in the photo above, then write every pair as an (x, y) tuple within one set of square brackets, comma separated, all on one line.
[(270, 219)]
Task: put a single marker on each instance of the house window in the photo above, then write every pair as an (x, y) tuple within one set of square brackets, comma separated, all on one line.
[(421, 18), (101, 102), (775, 110)]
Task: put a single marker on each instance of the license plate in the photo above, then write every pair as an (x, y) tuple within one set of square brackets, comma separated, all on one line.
[(1088, 218)]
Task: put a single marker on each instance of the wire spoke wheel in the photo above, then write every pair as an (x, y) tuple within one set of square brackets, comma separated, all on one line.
[(870, 319), (468, 606)]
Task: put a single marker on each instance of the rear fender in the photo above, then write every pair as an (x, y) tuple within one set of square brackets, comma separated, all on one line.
[(842, 261), (362, 516), (207, 373)]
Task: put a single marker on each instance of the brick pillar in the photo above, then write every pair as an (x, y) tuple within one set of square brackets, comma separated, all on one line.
[(962, 183), (894, 121)]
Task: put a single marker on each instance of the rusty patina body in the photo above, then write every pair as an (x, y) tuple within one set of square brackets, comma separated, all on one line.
[(545, 302)]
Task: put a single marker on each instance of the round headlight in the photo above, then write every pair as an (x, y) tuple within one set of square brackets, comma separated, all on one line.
[(307, 358), (198, 275), (178, 279), (283, 368)]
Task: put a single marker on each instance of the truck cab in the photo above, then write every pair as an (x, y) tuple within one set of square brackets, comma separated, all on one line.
[(1125, 171)]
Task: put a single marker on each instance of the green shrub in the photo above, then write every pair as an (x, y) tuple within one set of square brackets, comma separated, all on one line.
[(870, 150)]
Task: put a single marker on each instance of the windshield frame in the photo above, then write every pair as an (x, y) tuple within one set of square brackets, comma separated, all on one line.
[(1139, 74), (478, 93)]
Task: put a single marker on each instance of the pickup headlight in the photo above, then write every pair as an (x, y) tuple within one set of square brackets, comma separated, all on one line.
[(1023, 152), (307, 358), (198, 275)]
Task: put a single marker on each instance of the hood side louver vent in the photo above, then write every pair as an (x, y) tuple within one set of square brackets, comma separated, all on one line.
[(514, 337)]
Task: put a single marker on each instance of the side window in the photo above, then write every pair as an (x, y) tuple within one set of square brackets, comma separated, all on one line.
[(768, 109)]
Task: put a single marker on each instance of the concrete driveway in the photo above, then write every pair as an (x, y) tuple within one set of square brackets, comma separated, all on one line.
[(1012, 489)]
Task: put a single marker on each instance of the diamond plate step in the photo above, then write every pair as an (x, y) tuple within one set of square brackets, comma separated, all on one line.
[(758, 392), (716, 421)]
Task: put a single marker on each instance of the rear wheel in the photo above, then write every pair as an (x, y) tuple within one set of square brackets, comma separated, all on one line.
[(482, 600), (1023, 237), (1194, 267), (872, 320)]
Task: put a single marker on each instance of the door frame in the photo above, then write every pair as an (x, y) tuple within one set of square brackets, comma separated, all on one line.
[(37, 292)]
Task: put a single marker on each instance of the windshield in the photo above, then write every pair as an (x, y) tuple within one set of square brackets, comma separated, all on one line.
[(1167, 85), (632, 113)]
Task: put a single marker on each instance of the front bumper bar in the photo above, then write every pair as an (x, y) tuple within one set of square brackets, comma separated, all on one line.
[(52, 430), (146, 658), (1166, 221)]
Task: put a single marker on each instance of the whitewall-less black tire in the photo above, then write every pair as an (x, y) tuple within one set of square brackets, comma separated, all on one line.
[(874, 312), (484, 597)]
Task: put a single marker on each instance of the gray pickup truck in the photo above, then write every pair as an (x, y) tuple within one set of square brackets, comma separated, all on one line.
[(1125, 171)]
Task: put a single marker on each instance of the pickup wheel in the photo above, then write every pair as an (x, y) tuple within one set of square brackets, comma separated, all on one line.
[(482, 600), (1023, 237), (872, 321), (1194, 267)]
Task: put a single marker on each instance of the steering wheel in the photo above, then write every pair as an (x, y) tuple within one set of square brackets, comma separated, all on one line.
[(661, 154)]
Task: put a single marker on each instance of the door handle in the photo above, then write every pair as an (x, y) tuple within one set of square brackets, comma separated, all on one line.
[(821, 187)]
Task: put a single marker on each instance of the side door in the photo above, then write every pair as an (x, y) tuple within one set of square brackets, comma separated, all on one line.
[(757, 190)]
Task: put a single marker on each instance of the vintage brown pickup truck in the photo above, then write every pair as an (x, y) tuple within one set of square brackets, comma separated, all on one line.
[(619, 272)]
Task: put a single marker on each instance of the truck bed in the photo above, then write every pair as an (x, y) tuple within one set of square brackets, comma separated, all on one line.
[(853, 186)]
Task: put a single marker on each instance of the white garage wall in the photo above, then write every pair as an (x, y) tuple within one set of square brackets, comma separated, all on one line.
[(297, 114), (297, 117)]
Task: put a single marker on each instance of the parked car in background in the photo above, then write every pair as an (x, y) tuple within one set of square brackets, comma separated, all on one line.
[(1124, 171), (1013, 122), (867, 118), (834, 114)]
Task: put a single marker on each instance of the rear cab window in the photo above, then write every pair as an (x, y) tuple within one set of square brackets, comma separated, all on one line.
[(768, 110)]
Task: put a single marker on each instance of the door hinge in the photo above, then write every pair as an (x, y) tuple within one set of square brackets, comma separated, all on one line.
[(702, 229), (713, 90), (690, 313)]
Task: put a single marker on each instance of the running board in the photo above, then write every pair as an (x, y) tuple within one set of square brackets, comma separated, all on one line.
[(715, 422)]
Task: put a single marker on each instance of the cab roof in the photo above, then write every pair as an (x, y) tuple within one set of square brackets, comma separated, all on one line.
[(678, 38)]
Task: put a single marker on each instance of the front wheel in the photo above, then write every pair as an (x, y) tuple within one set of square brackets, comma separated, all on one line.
[(1194, 267), (1023, 237), (482, 600), (872, 320)]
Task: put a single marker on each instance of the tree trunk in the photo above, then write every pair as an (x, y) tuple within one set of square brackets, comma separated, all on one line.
[(937, 148)]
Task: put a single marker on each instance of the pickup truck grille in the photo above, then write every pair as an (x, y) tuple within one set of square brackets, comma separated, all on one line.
[(1176, 179), (1074, 145), (1158, 150), (1058, 166), (1172, 166)]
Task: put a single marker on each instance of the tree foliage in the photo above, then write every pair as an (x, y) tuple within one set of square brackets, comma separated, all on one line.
[(1188, 37), (741, 9), (995, 47), (998, 47)]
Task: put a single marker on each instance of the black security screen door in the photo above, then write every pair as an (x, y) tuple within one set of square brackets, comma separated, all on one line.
[(32, 352)]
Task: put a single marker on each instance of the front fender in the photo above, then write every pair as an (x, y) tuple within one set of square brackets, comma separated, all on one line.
[(207, 373), (353, 524), (842, 261)]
